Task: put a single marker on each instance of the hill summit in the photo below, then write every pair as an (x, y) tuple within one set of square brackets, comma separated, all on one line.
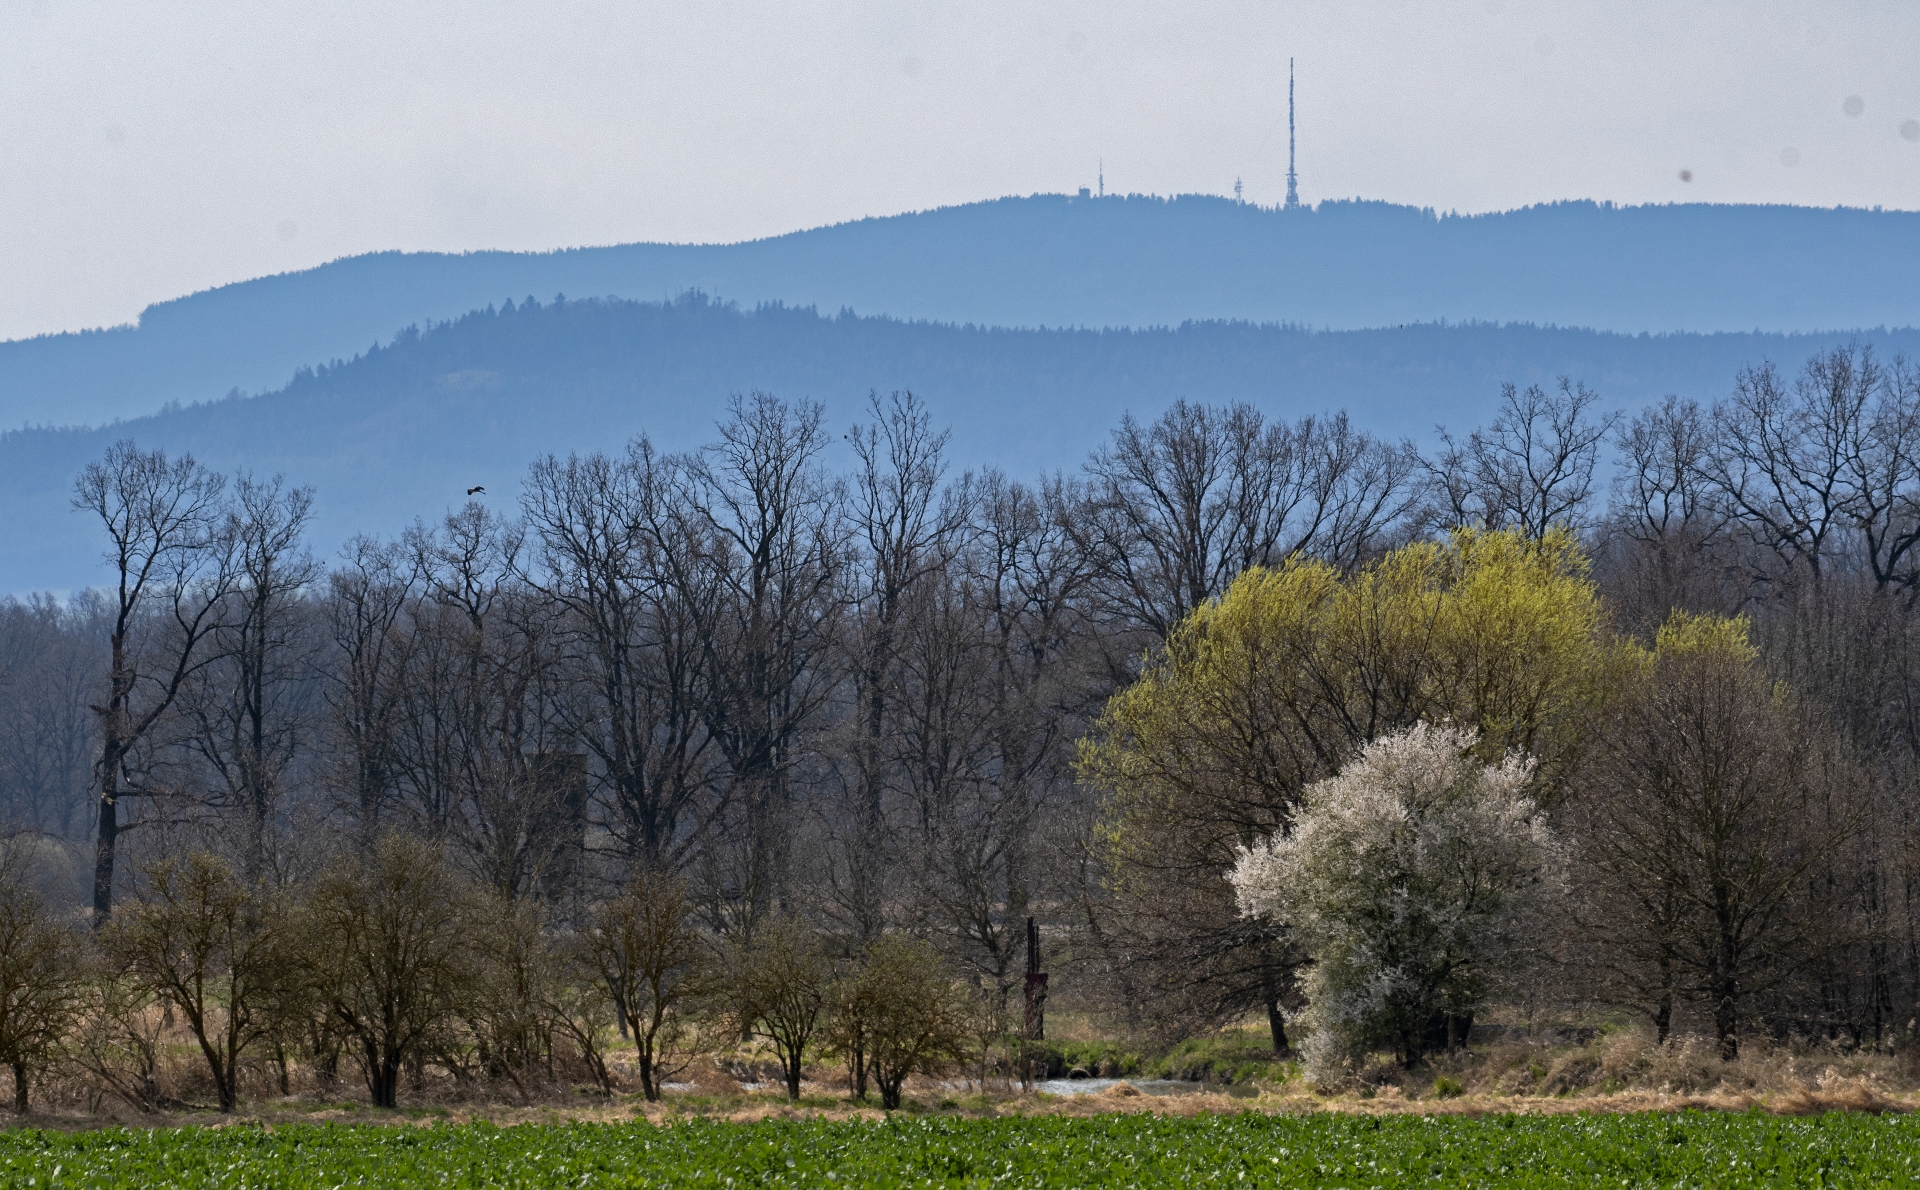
[(1053, 261)]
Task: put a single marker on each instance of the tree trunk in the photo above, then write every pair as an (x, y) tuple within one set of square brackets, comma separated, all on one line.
[(222, 1073), (383, 1078), (1723, 986), (384, 1086), (1277, 1025), (1726, 1020), (1663, 1011), (326, 1060), (890, 1092), (103, 850), (648, 1087), (20, 1088)]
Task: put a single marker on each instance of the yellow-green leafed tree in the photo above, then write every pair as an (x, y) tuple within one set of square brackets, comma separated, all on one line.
[(1283, 679)]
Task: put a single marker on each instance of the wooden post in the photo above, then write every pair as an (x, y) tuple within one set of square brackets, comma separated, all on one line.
[(1036, 1003)]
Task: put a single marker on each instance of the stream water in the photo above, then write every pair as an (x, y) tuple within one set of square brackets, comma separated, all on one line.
[(1148, 1086)]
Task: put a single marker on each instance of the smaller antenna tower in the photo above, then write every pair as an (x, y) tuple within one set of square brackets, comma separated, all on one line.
[(1293, 179), (1103, 177), (1236, 191)]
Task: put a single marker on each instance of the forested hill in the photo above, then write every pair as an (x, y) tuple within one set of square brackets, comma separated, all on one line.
[(1050, 260), (403, 430)]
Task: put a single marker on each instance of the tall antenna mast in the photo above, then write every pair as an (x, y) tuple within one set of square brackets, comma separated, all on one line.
[(1103, 177), (1293, 179)]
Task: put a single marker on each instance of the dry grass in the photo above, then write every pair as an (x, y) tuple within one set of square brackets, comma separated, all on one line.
[(1616, 1072)]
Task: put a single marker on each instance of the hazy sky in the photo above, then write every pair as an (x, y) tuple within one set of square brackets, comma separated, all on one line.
[(148, 149)]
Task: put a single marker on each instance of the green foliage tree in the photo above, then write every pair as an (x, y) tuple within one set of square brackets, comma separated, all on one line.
[(213, 946), (1281, 681)]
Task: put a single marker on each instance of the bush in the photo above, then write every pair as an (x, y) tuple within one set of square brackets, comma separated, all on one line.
[(779, 988), (910, 1016), (1411, 879), (648, 960), (39, 980), (388, 954)]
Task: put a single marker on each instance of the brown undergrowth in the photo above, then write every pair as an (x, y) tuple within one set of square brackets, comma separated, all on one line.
[(1614, 1072)]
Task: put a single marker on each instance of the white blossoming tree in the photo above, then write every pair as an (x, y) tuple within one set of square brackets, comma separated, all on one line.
[(1411, 879)]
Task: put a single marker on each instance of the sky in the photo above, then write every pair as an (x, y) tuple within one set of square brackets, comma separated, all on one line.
[(150, 149)]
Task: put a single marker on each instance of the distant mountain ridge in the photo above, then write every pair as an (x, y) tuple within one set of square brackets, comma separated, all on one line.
[(402, 431), (1049, 260)]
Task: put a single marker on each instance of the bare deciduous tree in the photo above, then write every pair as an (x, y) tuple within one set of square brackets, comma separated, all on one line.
[(906, 529), (52, 660), (216, 949), (1711, 799), (385, 945), (649, 962), (250, 706), (40, 979), (1531, 469), (1178, 508), (777, 545), (163, 521), (486, 767), (623, 564), (366, 611), (779, 988), (898, 1013), (1809, 469)]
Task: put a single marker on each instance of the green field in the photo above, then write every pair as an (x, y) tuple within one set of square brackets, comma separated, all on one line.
[(1118, 1150)]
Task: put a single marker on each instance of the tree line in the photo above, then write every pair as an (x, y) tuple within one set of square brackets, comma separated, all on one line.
[(840, 710), (394, 962)]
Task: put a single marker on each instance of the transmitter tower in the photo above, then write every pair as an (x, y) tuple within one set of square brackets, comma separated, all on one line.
[(1293, 179)]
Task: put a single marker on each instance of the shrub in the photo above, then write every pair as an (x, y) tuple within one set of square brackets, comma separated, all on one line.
[(388, 953), (648, 960), (39, 980), (1411, 879), (778, 988), (904, 1013)]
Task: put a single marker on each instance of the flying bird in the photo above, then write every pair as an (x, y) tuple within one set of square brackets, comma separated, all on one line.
[(476, 491)]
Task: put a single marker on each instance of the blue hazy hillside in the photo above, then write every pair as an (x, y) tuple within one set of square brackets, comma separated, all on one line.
[(1050, 260), (401, 431)]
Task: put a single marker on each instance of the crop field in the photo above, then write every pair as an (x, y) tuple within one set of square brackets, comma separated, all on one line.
[(1691, 1149)]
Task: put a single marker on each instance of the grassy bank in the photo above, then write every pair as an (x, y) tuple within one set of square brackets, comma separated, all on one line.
[(1232, 1056)]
